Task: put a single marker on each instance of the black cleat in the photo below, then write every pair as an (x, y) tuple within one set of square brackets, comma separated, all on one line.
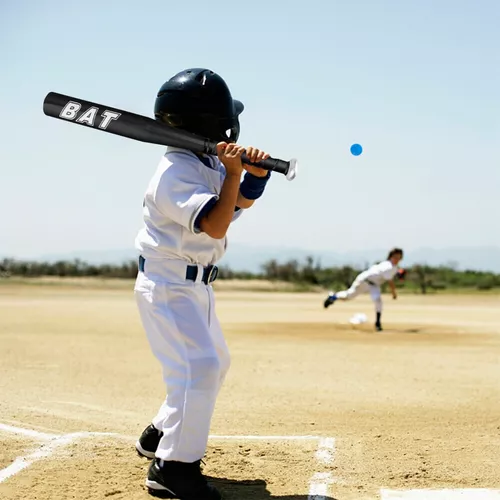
[(329, 300), (180, 480), (378, 327), (148, 442)]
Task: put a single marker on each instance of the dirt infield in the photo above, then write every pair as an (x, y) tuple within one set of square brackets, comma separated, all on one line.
[(416, 406)]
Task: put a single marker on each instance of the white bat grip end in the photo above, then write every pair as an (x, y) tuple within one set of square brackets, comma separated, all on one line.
[(292, 171)]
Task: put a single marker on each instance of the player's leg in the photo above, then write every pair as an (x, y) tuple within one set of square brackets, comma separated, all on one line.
[(176, 322), (191, 372), (218, 340), (148, 442), (167, 345), (358, 286), (376, 296)]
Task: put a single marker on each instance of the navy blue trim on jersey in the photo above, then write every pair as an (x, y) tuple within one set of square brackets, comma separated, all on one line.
[(206, 161), (203, 212)]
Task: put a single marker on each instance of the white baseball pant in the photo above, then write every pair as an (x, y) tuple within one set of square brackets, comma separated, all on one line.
[(362, 286), (186, 337)]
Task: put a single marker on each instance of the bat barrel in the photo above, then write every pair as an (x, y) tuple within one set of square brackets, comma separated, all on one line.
[(119, 122)]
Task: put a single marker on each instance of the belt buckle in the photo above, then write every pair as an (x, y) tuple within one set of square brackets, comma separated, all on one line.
[(212, 274)]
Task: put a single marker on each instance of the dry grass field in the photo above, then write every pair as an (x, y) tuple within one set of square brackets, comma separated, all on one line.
[(414, 407)]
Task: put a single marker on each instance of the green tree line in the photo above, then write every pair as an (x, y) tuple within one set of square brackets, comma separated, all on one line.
[(420, 278)]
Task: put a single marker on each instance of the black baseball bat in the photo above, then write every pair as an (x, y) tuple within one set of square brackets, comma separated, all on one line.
[(144, 129)]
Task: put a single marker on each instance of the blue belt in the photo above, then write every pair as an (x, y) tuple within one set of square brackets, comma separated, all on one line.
[(209, 273)]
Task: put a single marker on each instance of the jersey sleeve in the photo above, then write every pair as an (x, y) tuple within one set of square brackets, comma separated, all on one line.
[(182, 194), (389, 273)]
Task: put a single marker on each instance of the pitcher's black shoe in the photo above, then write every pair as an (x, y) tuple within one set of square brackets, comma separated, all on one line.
[(329, 300), (168, 479), (148, 442), (378, 327)]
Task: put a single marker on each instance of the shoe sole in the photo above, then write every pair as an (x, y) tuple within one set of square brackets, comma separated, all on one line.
[(144, 453), (158, 490)]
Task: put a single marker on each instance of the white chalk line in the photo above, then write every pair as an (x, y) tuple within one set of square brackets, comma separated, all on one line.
[(325, 455), (441, 494), (318, 485), (44, 451), (42, 436), (48, 436), (269, 438), (52, 442), (40, 428)]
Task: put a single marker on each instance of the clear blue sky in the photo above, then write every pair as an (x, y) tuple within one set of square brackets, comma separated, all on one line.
[(416, 83)]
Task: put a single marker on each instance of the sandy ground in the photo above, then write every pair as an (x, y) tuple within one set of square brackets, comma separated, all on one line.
[(416, 406)]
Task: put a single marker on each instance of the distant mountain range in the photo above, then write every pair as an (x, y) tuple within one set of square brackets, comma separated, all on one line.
[(250, 258)]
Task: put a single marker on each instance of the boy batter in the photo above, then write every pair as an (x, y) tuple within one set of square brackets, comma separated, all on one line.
[(369, 281), (188, 207)]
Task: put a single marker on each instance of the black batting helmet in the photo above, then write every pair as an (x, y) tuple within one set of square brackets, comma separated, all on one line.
[(199, 101)]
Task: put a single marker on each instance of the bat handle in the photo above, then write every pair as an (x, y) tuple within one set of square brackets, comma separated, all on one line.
[(287, 168)]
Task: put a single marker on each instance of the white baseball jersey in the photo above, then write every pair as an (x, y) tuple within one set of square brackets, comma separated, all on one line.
[(379, 273), (179, 190)]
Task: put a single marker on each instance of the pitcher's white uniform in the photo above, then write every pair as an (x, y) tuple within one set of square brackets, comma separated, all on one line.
[(369, 281), (177, 313)]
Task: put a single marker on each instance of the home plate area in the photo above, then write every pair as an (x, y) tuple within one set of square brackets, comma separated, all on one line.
[(90, 466)]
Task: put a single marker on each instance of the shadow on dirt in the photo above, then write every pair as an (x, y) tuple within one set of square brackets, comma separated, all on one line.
[(412, 330), (255, 489)]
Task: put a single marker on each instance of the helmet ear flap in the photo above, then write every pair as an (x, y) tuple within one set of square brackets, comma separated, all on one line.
[(234, 131), (229, 129)]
